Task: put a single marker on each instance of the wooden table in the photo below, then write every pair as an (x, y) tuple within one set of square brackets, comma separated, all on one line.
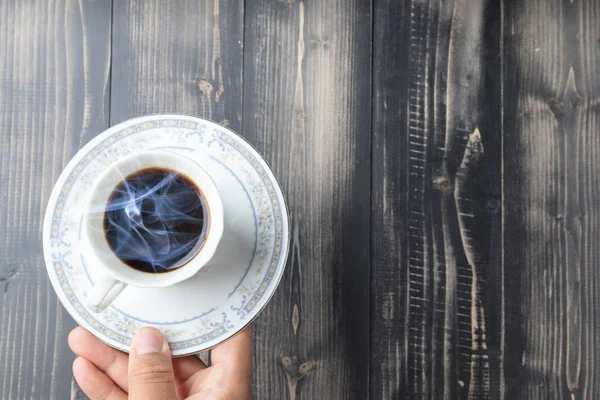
[(440, 160)]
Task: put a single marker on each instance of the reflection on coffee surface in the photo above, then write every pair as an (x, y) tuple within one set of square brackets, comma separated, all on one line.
[(154, 218)]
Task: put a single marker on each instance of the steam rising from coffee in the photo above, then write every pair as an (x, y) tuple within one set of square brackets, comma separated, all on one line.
[(154, 219)]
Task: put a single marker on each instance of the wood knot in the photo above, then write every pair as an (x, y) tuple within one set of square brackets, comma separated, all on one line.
[(295, 318), (574, 100), (571, 96), (475, 144), (299, 112), (7, 277), (556, 106), (321, 43), (11, 273), (295, 372), (225, 122), (441, 183), (218, 95), (473, 153), (205, 87), (493, 205), (294, 369)]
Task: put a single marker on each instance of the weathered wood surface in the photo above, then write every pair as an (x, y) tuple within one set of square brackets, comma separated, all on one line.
[(307, 104), (436, 267), (177, 57), (551, 149), (439, 159), (484, 164), (54, 78)]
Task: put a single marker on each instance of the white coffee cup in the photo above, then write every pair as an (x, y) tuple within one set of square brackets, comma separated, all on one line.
[(114, 274)]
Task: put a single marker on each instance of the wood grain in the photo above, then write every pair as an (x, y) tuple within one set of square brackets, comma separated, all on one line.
[(552, 201), (389, 217), (179, 57), (440, 160), (436, 199), (54, 70), (307, 109)]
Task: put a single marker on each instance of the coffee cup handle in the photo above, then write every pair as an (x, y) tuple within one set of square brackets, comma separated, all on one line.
[(104, 292)]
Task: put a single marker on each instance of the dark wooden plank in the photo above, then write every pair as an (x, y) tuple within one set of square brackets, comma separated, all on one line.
[(54, 72), (178, 56), (587, 82), (307, 108), (436, 201), (551, 148), (389, 201)]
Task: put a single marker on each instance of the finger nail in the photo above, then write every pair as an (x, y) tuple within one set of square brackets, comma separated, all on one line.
[(148, 341)]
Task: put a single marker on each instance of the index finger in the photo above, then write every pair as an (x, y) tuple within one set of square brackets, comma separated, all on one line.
[(235, 353), (110, 361)]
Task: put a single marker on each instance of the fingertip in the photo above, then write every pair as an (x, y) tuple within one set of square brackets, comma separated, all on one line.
[(78, 365), (146, 330), (235, 357), (75, 336), (81, 368), (150, 340), (236, 350), (94, 383), (108, 360)]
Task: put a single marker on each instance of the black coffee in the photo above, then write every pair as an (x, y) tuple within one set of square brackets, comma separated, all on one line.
[(154, 218)]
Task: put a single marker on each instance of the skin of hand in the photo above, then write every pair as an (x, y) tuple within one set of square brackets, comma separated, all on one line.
[(149, 372)]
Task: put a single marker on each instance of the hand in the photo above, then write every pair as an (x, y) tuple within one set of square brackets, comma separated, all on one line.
[(149, 372)]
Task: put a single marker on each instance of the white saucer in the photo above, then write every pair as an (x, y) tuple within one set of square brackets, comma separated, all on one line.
[(225, 295)]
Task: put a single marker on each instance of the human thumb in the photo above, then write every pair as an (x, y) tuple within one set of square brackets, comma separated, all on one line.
[(150, 367)]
